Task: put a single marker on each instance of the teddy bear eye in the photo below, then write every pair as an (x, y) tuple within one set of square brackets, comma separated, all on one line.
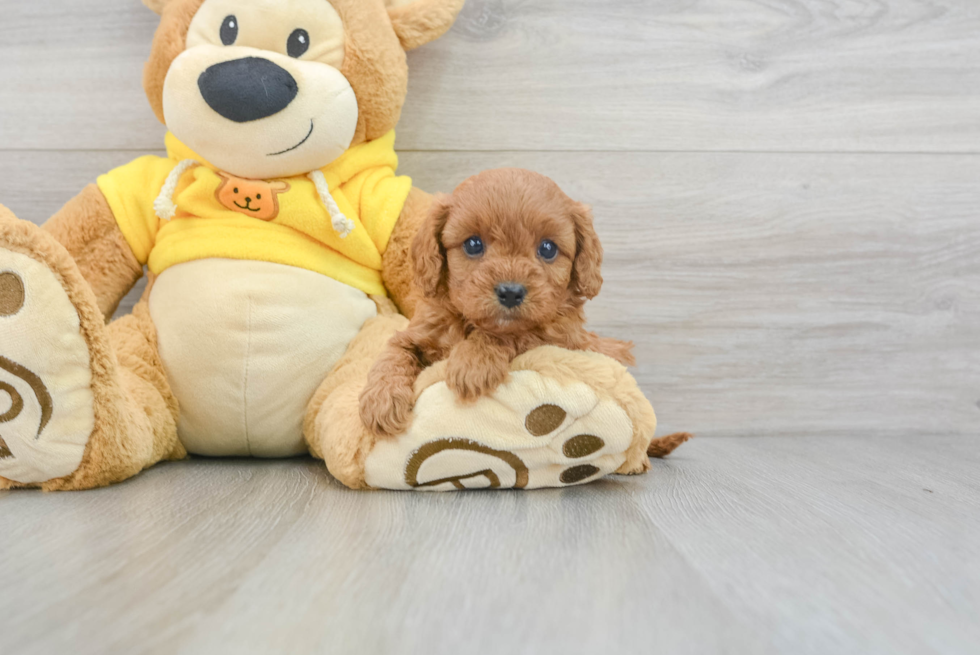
[(298, 43), (258, 197), (236, 189), (473, 246), (229, 30), (548, 250)]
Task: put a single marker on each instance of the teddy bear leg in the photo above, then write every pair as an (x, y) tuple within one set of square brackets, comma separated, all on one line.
[(82, 405), (563, 418), (333, 427)]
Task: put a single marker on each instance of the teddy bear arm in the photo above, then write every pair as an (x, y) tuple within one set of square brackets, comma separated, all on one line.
[(87, 229), (398, 273)]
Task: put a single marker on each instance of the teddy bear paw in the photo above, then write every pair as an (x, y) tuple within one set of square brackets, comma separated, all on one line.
[(533, 432), (46, 401)]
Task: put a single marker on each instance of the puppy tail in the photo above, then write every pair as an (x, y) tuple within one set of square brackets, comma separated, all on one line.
[(666, 445)]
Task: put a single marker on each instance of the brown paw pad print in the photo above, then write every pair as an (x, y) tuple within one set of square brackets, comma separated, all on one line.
[(582, 446), (544, 420), (433, 450), (16, 400), (11, 293), (578, 473), (16, 406)]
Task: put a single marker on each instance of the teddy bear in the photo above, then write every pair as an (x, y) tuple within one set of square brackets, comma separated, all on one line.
[(275, 235)]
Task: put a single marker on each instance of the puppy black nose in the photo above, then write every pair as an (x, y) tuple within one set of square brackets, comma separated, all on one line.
[(510, 295), (244, 90)]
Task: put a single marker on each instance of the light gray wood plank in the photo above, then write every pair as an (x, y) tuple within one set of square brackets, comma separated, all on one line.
[(835, 545), (747, 75), (814, 75), (216, 557), (803, 545), (71, 75), (818, 294), (34, 185)]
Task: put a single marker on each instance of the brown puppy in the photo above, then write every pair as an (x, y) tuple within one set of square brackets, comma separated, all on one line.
[(505, 265)]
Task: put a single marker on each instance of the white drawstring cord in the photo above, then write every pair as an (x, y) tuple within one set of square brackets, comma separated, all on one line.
[(166, 208), (341, 224), (164, 205)]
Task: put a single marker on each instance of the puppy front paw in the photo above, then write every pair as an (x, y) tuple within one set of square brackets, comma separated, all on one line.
[(470, 380), (386, 408)]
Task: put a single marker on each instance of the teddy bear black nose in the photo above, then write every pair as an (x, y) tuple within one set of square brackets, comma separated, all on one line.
[(244, 90), (510, 295)]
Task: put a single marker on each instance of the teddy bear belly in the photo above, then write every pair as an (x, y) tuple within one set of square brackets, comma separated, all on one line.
[(245, 345)]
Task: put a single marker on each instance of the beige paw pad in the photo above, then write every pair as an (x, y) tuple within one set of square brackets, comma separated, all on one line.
[(533, 432), (46, 403)]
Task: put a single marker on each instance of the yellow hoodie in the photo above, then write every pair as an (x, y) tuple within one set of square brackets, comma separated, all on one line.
[(336, 221)]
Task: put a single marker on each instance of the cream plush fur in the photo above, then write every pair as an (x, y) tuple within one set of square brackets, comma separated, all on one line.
[(238, 327)]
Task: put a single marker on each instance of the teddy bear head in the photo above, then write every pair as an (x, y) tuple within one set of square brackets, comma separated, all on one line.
[(275, 88)]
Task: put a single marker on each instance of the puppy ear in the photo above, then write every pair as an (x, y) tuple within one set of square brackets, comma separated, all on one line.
[(418, 22), (587, 269), (427, 251)]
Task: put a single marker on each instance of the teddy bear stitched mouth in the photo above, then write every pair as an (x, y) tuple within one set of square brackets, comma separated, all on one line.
[(305, 139)]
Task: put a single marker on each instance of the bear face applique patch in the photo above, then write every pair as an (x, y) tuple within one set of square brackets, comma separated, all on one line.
[(253, 198)]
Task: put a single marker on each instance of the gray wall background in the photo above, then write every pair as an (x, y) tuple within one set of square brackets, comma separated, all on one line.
[(788, 190)]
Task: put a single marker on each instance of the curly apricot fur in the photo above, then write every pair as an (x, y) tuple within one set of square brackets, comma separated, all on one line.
[(460, 317)]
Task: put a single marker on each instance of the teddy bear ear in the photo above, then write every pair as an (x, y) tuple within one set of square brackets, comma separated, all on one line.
[(156, 5), (418, 22)]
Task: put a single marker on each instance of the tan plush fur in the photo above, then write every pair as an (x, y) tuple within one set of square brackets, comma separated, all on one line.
[(512, 212), (135, 413), (399, 271), (168, 42), (423, 21), (155, 5), (332, 426), (375, 65), (88, 231)]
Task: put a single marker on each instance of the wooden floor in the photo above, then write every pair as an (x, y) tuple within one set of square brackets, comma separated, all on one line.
[(789, 195), (761, 544)]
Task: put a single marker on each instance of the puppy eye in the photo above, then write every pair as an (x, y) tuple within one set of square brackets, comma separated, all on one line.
[(473, 246), (548, 250), (229, 30), (298, 44)]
